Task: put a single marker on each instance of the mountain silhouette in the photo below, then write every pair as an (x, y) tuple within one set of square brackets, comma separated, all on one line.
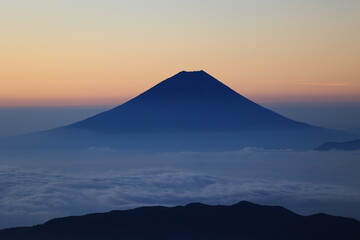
[(343, 146), (191, 111), (243, 220), (188, 101)]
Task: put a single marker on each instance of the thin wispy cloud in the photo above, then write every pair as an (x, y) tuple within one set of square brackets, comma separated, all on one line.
[(324, 84)]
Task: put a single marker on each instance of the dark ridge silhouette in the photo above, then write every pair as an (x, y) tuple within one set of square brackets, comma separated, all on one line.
[(191, 111), (198, 221), (343, 146)]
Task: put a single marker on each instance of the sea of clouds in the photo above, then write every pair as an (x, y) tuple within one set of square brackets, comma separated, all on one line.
[(38, 186)]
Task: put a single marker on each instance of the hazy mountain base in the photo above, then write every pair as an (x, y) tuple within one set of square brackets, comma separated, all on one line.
[(354, 130), (70, 139), (343, 146)]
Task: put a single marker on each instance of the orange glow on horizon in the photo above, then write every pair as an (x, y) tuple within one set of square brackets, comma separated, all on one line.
[(98, 53)]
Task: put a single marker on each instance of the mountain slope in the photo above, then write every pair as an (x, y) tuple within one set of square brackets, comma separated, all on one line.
[(191, 111), (194, 221), (188, 101)]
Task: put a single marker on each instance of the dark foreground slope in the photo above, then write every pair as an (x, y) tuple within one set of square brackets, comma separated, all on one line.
[(342, 146), (191, 111), (194, 221)]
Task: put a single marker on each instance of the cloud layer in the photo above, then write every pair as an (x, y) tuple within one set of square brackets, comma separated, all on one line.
[(30, 195)]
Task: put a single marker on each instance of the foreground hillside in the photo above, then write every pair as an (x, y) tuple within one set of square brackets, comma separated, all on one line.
[(194, 221)]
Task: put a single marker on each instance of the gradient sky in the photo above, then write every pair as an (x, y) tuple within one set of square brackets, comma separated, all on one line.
[(89, 52)]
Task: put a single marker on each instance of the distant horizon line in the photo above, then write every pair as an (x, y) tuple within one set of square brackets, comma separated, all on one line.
[(45, 103)]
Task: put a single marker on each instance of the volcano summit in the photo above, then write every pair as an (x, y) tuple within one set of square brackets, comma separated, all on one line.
[(189, 111), (188, 101)]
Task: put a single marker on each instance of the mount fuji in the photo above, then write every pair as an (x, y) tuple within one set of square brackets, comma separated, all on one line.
[(188, 101), (191, 111)]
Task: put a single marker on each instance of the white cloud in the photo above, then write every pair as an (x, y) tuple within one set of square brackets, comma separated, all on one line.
[(98, 181)]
